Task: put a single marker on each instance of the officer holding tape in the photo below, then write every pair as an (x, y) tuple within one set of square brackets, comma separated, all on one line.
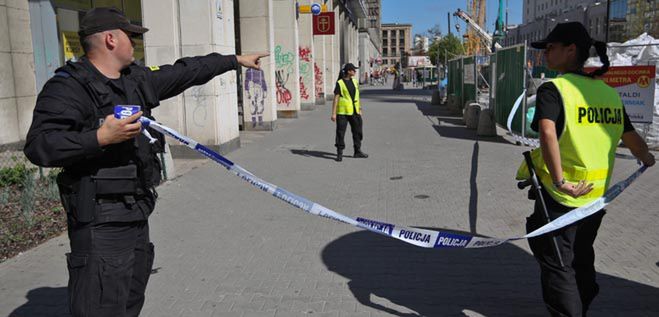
[(580, 120), (109, 168)]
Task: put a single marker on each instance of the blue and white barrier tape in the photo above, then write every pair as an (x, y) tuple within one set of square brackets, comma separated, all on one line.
[(419, 237)]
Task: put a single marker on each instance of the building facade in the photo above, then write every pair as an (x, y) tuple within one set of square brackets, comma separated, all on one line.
[(541, 16), (396, 42)]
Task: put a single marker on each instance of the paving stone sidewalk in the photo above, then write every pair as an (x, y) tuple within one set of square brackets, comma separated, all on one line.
[(224, 248)]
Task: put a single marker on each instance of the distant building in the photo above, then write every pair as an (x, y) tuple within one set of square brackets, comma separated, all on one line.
[(541, 16), (396, 41), (421, 43)]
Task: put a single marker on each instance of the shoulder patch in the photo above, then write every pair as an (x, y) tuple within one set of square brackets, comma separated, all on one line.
[(62, 74), (154, 68)]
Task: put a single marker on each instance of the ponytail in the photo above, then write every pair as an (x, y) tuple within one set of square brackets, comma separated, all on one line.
[(342, 73), (600, 48)]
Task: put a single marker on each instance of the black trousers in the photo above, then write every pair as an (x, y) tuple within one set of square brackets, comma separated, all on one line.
[(569, 290), (355, 121), (109, 267)]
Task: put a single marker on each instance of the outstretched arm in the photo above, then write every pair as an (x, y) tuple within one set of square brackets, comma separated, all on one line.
[(171, 80)]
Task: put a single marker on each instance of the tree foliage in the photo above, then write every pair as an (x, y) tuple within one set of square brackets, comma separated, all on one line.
[(449, 45)]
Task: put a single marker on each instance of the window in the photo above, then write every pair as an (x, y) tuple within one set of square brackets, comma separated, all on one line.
[(385, 34), (385, 51), (401, 34), (385, 42)]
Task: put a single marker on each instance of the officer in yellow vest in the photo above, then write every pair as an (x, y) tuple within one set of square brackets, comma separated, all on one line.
[(580, 121), (346, 109)]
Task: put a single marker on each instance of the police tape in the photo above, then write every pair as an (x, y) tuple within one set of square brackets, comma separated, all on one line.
[(415, 236), (521, 139)]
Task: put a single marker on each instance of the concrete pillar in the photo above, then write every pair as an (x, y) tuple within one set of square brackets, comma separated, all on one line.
[(207, 113), (306, 55), (331, 55), (259, 89), (287, 62), (319, 72), (17, 77)]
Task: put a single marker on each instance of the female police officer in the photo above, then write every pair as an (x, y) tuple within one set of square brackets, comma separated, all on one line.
[(580, 120), (109, 168), (346, 109)]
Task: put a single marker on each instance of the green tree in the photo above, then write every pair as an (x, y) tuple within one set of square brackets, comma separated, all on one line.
[(450, 45)]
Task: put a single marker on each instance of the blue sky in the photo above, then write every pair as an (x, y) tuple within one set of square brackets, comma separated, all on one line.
[(423, 14)]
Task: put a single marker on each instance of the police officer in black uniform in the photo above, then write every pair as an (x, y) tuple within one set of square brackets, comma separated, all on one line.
[(109, 168)]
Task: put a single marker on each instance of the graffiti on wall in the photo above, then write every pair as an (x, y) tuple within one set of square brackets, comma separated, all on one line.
[(318, 81), (305, 70), (283, 60), (303, 90), (218, 13), (256, 90), (283, 94)]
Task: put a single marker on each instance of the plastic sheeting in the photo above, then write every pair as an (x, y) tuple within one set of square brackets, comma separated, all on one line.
[(643, 53)]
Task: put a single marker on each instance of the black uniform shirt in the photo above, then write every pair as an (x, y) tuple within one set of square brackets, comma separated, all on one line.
[(60, 135), (549, 105), (349, 84)]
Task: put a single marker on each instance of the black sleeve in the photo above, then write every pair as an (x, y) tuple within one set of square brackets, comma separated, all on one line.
[(171, 80), (548, 104), (337, 89), (627, 123), (57, 137)]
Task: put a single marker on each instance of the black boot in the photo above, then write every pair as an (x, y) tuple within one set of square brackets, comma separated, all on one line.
[(339, 155), (360, 154)]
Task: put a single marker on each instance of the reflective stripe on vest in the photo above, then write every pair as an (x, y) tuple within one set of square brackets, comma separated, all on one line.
[(346, 106), (593, 126)]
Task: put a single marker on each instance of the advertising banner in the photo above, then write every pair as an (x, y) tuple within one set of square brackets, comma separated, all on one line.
[(636, 86)]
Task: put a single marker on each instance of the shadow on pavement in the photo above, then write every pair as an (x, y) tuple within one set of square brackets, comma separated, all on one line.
[(450, 125), (473, 189), (320, 154), (44, 302), (403, 280)]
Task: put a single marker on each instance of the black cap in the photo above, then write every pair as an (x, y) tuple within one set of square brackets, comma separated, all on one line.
[(103, 19), (349, 66), (566, 33)]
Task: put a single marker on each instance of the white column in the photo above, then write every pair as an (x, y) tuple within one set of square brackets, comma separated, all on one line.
[(319, 72), (259, 89), (17, 78), (306, 55), (207, 113), (287, 63)]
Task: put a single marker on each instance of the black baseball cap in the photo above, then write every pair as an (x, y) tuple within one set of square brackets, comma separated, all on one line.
[(103, 19), (566, 33), (350, 66)]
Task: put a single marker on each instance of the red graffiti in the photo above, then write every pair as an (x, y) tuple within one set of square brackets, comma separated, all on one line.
[(283, 94), (305, 54), (303, 90), (318, 80)]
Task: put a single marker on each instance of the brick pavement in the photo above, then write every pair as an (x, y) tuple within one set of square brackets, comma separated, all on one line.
[(226, 249)]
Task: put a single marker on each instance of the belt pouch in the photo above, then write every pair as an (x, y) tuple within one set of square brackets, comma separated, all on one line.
[(120, 180)]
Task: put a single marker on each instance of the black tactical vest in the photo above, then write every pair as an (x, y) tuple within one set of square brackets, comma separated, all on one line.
[(137, 152)]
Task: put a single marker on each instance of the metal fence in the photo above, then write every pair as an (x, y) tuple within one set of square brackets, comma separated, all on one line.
[(469, 79), (510, 84), (455, 80)]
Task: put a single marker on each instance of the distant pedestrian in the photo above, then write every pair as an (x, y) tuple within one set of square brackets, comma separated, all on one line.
[(346, 110), (574, 164)]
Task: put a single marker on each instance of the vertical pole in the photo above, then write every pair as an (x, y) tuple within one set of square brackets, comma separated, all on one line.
[(525, 69), (448, 18), (608, 17)]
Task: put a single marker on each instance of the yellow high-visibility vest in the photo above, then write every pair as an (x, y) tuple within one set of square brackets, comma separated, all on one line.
[(593, 126), (346, 105)]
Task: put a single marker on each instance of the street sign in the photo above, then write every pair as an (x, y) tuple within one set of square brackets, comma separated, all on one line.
[(315, 9), (308, 8), (323, 23)]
